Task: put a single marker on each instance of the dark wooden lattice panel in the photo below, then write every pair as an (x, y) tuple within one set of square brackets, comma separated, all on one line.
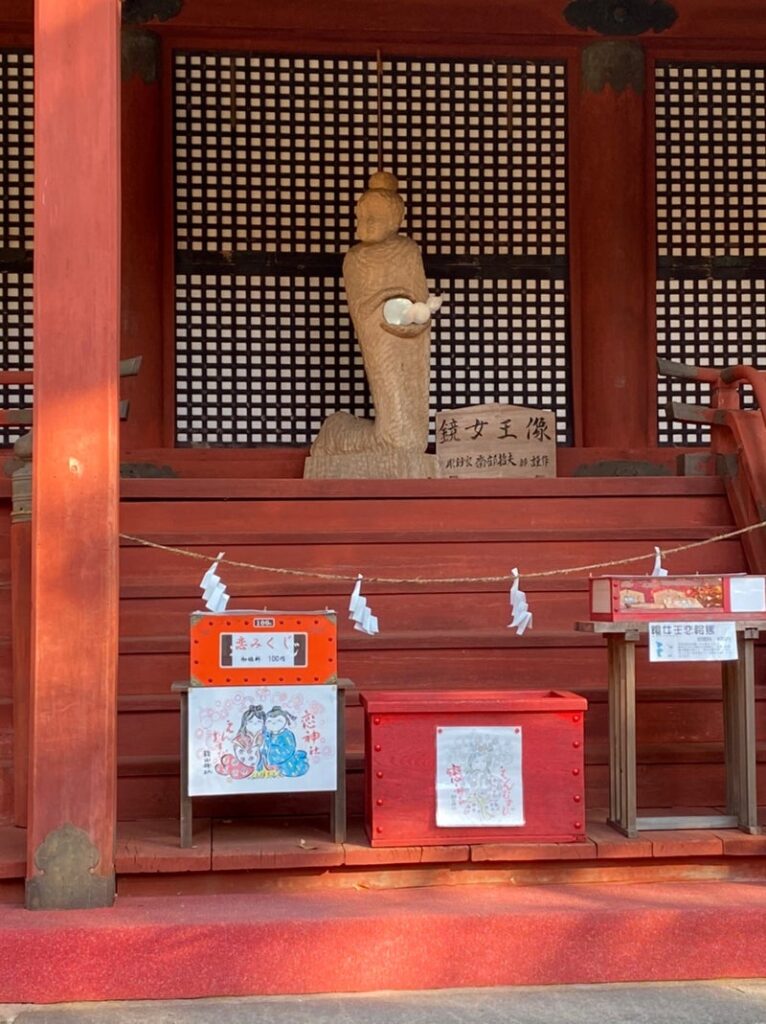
[(497, 341), (502, 341), (481, 150), (16, 228), (248, 349), (711, 225), (16, 155), (272, 153)]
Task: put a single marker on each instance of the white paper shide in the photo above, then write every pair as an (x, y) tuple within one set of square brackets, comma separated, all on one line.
[(657, 568), (213, 588), (521, 616), (262, 739), (359, 611), (479, 777)]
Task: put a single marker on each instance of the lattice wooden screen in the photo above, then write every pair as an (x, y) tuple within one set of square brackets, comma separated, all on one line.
[(16, 233), (272, 153), (711, 225)]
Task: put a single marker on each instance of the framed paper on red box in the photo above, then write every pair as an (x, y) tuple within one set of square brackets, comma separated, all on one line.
[(453, 766)]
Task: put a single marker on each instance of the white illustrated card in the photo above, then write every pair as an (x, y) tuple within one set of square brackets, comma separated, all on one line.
[(262, 739), (478, 777)]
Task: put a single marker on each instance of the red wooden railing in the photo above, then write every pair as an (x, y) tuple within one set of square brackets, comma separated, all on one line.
[(23, 417), (738, 441)]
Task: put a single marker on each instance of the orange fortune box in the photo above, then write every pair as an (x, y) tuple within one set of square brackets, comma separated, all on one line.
[(263, 648)]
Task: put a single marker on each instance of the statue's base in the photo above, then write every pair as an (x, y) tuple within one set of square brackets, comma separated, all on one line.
[(371, 466)]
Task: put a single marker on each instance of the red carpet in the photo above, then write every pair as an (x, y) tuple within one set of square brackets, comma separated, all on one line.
[(445, 937)]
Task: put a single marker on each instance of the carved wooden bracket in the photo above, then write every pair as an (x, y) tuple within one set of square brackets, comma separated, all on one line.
[(66, 861), (138, 12), (140, 55), (621, 17), (620, 65)]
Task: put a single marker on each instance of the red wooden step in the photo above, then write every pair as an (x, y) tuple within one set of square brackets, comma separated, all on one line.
[(243, 944)]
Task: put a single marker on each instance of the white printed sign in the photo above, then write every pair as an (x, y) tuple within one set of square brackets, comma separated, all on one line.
[(262, 739), (264, 650), (692, 641), (478, 777)]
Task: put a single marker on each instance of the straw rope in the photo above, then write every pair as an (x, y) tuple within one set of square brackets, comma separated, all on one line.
[(576, 570)]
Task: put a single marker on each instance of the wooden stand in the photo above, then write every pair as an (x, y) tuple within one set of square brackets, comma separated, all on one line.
[(338, 805), (738, 679)]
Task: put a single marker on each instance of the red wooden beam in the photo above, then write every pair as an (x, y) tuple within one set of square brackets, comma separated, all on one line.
[(128, 368), (445, 21), (23, 417), (437, 22), (72, 763), (15, 417), (15, 376), (17, 14)]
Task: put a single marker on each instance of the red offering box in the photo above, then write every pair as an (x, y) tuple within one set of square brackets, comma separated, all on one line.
[(246, 648), (619, 598), (402, 730)]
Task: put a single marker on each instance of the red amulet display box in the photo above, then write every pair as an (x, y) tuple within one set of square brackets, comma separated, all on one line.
[(263, 648), (451, 767), (621, 598)]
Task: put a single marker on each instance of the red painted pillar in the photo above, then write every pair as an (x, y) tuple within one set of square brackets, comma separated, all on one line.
[(72, 776), (609, 191)]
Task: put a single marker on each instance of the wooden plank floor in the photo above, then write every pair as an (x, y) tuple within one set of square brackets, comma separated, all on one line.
[(243, 853)]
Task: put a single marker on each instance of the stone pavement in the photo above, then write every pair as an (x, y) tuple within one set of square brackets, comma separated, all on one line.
[(724, 1002)]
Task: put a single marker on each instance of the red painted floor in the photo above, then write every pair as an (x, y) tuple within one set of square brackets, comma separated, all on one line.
[(438, 937)]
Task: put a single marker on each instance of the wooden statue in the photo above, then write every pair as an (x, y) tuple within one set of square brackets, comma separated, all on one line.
[(391, 311)]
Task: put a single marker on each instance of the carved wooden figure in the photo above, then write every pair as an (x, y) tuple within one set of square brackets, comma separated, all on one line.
[(395, 343)]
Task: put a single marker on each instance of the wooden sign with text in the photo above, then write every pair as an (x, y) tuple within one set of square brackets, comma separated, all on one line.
[(496, 440)]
